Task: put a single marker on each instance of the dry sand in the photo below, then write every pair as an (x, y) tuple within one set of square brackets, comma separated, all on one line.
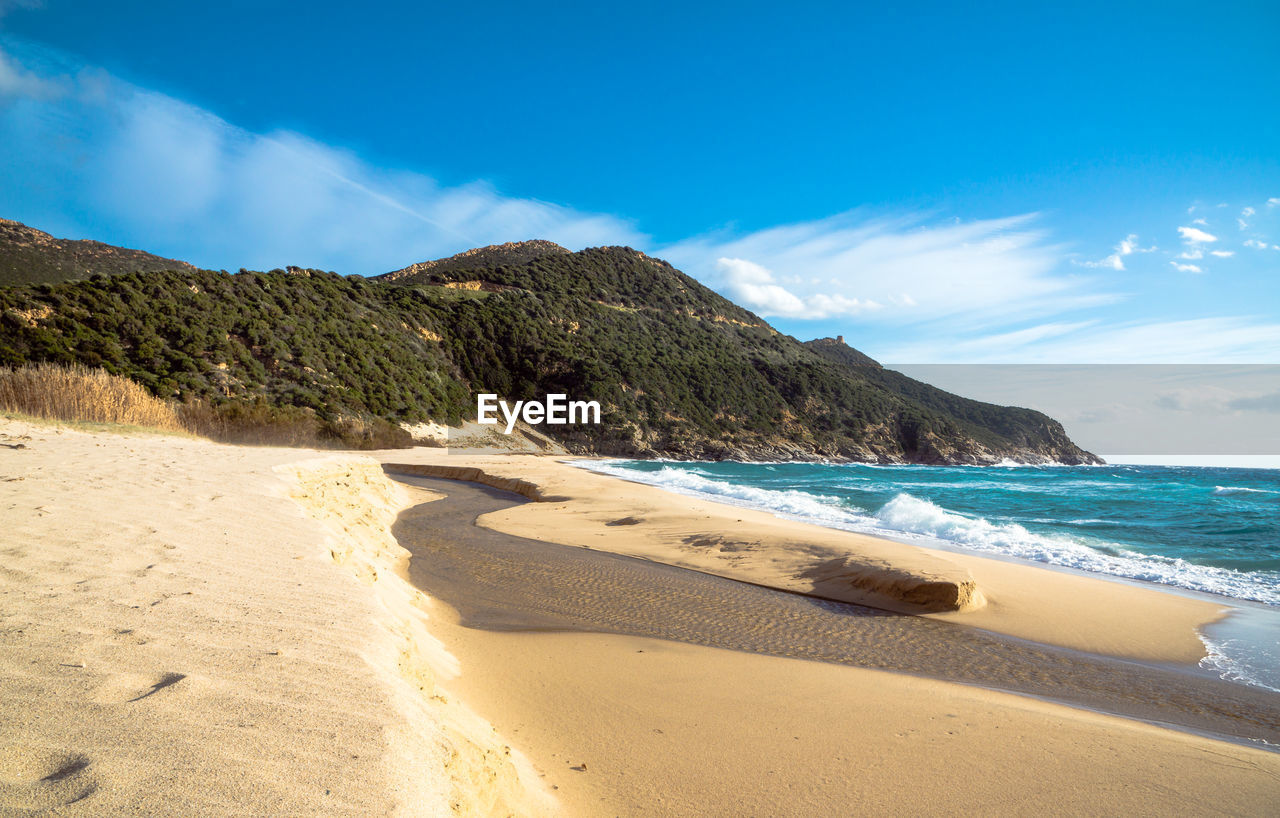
[(189, 628)]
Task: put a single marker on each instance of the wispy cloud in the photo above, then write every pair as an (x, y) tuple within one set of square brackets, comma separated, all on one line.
[(7, 6), (175, 176), (756, 288), (1222, 253), (1127, 247), (16, 82), (911, 267), (1238, 339), (1186, 268)]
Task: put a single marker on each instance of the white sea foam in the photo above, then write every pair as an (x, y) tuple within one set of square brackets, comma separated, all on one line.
[(1245, 647), (912, 518), (1222, 659), (905, 513), (1227, 491), (799, 504)]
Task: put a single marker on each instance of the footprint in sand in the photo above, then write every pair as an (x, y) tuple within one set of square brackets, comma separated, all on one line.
[(126, 688), (34, 778)]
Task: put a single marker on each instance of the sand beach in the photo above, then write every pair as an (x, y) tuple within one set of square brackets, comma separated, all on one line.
[(207, 629)]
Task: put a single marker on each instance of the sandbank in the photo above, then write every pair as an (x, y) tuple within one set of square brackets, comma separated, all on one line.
[(578, 507)]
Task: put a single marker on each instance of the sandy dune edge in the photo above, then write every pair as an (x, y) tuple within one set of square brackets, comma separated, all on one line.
[(194, 628), (577, 507)]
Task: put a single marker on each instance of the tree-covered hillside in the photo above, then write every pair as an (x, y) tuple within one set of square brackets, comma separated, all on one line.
[(679, 370)]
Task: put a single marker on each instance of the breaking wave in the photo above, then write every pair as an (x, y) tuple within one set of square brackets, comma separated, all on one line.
[(908, 517)]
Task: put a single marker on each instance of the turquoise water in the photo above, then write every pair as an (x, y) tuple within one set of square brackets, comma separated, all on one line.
[(1211, 530)]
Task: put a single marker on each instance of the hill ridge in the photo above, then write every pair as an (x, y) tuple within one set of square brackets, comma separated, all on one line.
[(31, 256), (679, 370)]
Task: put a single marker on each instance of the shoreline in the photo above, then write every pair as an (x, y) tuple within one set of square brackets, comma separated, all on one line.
[(632, 725), (1235, 643), (506, 583), (1030, 601), (932, 542)]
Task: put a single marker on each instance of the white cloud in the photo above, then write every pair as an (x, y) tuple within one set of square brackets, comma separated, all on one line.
[(1222, 339), (1111, 262), (1222, 253), (1273, 201), (1201, 222), (1244, 225), (189, 184), (1021, 338), (1127, 247), (756, 288), (1255, 244), (1247, 212), (1193, 235), (18, 82), (977, 272), (1186, 268), (1192, 255)]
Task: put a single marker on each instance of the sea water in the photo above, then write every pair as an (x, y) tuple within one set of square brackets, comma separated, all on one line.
[(1207, 530)]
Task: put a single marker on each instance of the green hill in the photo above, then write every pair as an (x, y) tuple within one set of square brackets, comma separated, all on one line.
[(679, 370), (1035, 433), (30, 256)]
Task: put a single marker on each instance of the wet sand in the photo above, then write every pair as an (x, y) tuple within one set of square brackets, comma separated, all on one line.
[(574, 506), (502, 582)]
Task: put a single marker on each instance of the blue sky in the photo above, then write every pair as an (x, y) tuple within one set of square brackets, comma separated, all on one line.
[(938, 183)]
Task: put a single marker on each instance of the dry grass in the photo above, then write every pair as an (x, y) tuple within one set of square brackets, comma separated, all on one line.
[(78, 394)]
